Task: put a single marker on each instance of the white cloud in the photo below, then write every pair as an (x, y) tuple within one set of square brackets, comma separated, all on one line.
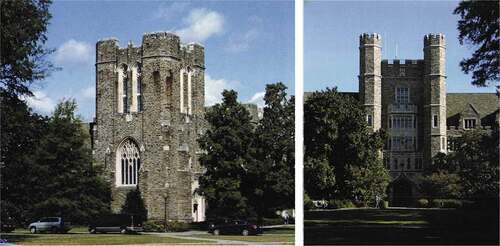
[(214, 88), (258, 98), (201, 24), (166, 11), (73, 51), (88, 93), (41, 102), (241, 42)]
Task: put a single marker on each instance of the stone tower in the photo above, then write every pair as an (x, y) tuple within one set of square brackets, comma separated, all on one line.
[(370, 77), (149, 112), (434, 96)]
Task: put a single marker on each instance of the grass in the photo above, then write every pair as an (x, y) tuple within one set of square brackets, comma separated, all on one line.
[(80, 236), (402, 226), (276, 238), (283, 235)]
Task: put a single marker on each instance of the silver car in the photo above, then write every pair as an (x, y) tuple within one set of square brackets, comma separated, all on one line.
[(52, 224)]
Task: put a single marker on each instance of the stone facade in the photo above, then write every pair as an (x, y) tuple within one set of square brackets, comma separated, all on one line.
[(149, 113), (407, 98)]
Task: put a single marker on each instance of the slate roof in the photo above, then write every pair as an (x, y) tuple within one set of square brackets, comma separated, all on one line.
[(484, 103)]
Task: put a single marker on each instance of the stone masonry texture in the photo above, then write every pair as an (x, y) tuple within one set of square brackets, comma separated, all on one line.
[(164, 134)]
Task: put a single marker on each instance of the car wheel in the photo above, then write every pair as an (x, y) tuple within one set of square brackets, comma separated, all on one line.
[(54, 229), (33, 230), (244, 232), (216, 232), (123, 231), (92, 230)]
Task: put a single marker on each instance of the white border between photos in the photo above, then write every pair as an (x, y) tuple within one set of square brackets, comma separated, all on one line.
[(299, 126)]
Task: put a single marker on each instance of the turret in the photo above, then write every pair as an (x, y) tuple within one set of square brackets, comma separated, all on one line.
[(370, 78), (434, 96), (160, 44)]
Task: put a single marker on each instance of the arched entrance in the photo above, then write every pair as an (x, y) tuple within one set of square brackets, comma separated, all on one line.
[(402, 193)]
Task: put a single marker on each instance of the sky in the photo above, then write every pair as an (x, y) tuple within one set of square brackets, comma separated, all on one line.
[(247, 45), (331, 39)]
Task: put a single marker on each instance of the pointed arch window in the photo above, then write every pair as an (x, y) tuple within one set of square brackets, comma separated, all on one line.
[(128, 164)]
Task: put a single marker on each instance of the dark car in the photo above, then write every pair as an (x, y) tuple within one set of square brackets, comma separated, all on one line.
[(123, 223), (52, 224), (7, 225), (238, 227)]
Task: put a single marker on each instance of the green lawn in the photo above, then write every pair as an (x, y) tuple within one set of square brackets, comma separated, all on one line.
[(80, 236), (274, 235), (276, 238), (398, 226)]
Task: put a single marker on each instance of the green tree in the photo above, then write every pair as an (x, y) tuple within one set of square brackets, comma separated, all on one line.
[(478, 27), (228, 146), (134, 204), (271, 179), (23, 34), (21, 131), (335, 132), (70, 186), (440, 184), (478, 160)]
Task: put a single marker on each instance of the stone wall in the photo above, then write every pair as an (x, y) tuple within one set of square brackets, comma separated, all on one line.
[(165, 136)]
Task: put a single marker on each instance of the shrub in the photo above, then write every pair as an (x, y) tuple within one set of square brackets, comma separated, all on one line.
[(308, 203), (177, 226), (153, 226), (422, 203), (446, 203), (334, 203)]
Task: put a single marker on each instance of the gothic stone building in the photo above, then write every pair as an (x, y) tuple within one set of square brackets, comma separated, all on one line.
[(149, 113), (408, 99)]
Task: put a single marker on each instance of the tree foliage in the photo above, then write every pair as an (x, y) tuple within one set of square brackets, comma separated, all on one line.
[(478, 26), (271, 179), (23, 34), (342, 157), (50, 172), (471, 171), (249, 165), (228, 143), (134, 204)]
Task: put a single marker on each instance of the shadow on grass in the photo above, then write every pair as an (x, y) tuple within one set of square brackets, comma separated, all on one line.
[(393, 226)]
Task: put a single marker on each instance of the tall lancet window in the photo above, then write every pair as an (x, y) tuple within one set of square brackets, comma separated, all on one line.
[(128, 164), (139, 87), (125, 90), (122, 89)]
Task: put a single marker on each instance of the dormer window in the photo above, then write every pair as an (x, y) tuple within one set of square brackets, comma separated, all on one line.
[(469, 123), (402, 95)]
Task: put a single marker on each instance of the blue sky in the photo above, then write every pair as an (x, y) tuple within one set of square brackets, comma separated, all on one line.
[(247, 44), (331, 39)]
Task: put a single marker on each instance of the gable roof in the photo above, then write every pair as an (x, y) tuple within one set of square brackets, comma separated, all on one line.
[(483, 103)]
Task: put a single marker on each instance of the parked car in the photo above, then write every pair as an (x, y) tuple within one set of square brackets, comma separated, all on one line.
[(7, 225), (52, 224), (240, 227), (123, 223)]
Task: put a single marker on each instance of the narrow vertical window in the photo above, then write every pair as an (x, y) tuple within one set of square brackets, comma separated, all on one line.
[(125, 108), (139, 87), (369, 120), (435, 121)]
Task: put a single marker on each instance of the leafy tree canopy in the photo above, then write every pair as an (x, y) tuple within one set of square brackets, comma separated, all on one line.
[(228, 157), (338, 142), (23, 34), (478, 26)]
